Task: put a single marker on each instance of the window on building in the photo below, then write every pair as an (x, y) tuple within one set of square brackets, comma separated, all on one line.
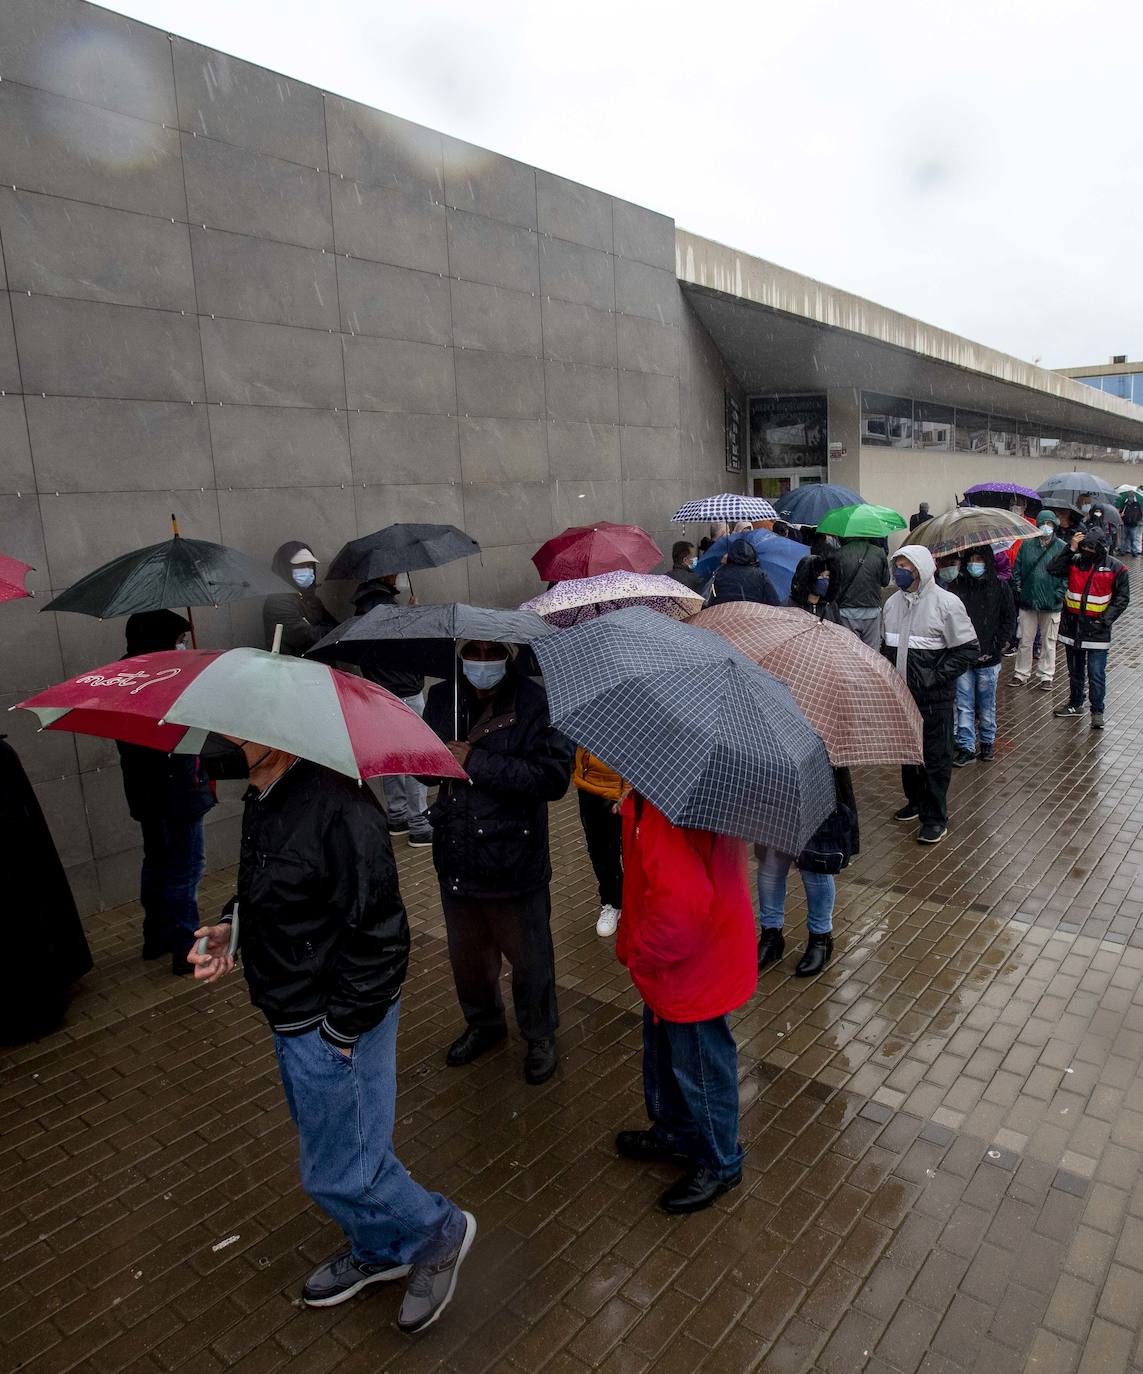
[(886, 421), (933, 426), (971, 431), (788, 431), (1003, 437), (1119, 385), (1137, 388), (1028, 439), (1096, 382)]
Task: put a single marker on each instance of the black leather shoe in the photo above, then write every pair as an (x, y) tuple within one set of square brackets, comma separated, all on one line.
[(472, 1044), (771, 947), (819, 951), (696, 1191), (643, 1146), (541, 1060)]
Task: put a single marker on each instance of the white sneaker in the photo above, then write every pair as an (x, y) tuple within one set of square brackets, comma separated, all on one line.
[(608, 921)]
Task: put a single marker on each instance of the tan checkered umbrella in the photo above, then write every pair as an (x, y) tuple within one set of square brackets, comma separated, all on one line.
[(851, 695)]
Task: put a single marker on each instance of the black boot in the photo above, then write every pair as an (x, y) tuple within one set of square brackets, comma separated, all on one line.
[(472, 1044), (819, 949), (987, 753), (697, 1190), (541, 1060), (771, 947)]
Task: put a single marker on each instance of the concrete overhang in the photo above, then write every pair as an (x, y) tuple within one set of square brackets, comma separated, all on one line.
[(779, 331)]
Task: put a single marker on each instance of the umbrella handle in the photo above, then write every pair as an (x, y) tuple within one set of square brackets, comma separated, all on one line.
[(276, 647)]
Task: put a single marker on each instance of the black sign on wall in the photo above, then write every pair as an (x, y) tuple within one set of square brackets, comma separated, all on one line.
[(733, 434), (788, 431)]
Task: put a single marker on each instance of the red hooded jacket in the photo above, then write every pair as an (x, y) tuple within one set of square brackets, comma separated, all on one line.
[(687, 933)]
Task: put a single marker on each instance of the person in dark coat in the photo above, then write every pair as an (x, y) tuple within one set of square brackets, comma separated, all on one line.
[(991, 607), (325, 948), (300, 612), (1095, 596), (864, 573), (406, 798), (683, 564), (168, 795), (490, 849), (45, 949), (922, 514), (741, 579), (814, 588)]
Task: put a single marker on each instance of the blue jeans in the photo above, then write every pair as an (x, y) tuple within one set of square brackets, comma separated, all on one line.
[(690, 1086), (1092, 664), (173, 863), (821, 890), (343, 1108), (976, 705), (1133, 539)]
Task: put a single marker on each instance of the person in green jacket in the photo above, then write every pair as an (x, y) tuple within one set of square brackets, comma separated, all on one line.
[(1040, 599)]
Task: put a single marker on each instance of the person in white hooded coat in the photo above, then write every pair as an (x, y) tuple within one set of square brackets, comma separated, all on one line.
[(930, 640)]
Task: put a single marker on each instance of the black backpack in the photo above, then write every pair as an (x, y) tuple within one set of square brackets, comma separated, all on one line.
[(1132, 511)]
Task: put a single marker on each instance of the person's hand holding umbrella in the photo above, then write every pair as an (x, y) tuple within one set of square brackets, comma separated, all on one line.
[(214, 960)]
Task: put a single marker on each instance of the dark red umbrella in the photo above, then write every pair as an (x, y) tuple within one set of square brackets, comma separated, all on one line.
[(585, 550), (12, 575)]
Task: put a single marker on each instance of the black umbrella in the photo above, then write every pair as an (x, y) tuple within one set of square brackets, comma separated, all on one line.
[(179, 572), (706, 735), (401, 548)]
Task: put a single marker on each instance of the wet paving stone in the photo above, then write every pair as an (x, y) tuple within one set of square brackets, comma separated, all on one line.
[(944, 1130)]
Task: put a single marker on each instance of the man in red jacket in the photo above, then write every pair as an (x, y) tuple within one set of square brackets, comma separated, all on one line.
[(687, 937)]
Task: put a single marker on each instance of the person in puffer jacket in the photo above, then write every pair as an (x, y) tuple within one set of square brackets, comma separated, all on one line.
[(600, 790), (300, 611), (741, 579), (1096, 595), (687, 938), (490, 850), (930, 640)]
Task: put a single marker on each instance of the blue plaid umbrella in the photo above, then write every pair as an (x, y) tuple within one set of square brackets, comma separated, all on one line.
[(710, 738)]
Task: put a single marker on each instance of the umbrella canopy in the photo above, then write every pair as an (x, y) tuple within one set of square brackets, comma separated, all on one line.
[(1072, 484), (727, 506), (401, 548), (587, 598), (778, 556), (1124, 488), (807, 504), (983, 494), (424, 638), (12, 575), (849, 693), (861, 522), (695, 727), (179, 572), (585, 550), (968, 527), (172, 700)]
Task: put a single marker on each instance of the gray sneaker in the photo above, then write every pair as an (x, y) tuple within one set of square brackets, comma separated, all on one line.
[(431, 1286), (342, 1276)]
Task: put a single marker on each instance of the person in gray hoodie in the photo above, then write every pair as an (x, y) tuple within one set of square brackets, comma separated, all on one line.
[(930, 640)]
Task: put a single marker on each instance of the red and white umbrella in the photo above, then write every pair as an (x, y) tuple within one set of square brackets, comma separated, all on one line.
[(12, 575), (171, 700)]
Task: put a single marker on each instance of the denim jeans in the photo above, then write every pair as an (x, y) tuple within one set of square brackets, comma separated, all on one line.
[(1092, 664), (976, 705), (406, 799), (690, 1085), (173, 863), (821, 890), (1133, 538), (343, 1108)]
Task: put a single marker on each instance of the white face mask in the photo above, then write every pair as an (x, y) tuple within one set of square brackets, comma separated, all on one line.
[(182, 644), (483, 673), (1046, 532)]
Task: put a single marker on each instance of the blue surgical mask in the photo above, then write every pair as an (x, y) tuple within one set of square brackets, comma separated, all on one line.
[(303, 577), (821, 586), (484, 674), (975, 569), (948, 574), (903, 578), (182, 644)]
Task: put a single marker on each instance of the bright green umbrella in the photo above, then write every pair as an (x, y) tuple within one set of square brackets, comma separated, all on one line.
[(861, 522)]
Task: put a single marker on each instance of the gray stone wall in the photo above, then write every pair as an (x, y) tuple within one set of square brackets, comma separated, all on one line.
[(277, 313)]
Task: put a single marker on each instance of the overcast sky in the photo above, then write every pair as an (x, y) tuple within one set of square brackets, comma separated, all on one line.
[(978, 165)]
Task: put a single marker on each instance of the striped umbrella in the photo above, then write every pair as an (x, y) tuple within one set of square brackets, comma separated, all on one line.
[(727, 506), (968, 527), (587, 598), (171, 701)]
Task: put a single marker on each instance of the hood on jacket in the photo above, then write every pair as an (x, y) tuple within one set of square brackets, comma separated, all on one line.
[(287, 557), (375, 592), (921, 559), (743, 552), (1096, 535), (985, 554), (807, 573), (150, 632)]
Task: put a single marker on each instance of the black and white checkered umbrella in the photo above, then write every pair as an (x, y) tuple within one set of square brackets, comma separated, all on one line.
[(727, 505), (711, 739)]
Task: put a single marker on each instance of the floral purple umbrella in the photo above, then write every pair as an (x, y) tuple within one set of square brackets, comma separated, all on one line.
[(980, 494), (588, 598)]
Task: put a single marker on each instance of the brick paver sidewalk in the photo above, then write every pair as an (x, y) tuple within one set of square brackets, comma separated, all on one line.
[(944, 1130)]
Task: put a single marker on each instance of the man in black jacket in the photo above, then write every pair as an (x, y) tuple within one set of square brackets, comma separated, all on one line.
[(490, 848), (741, 579), (1096, 594), (168, 795), (300, 611), (683, 566), (325, 947), (992, 610), (863, 573)]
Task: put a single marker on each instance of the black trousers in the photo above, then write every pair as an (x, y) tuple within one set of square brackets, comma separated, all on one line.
[(927, 786), (603, 831), (482, 932)]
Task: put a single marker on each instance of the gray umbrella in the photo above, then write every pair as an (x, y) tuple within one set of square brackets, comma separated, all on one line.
[(401, 548), (708, 737), (1069, 485)]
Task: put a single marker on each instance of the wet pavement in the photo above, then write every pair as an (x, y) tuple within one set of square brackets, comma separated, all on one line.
[(945, 1130)]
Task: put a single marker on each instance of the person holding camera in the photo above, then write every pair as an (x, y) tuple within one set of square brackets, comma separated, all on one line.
[(1096, 595)]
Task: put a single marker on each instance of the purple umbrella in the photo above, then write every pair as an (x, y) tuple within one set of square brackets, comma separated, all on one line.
[(978, 495)]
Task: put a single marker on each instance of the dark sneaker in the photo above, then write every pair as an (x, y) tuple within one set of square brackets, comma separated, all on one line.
[(932, 832), (771, 947), (1097, 720), (398, 827), (963, 757), (987, 753), (431, 1286), (541, 1061), (645, 1147), (697, 1191), (420, 839), (1068, 713), (472, 1044), (339, 1278), (907, 813), (819, 951)]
